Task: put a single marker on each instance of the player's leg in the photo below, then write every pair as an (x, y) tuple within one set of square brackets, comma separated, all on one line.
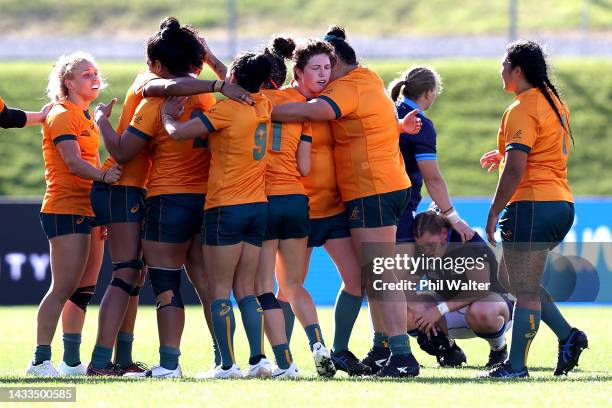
[(489, 318)]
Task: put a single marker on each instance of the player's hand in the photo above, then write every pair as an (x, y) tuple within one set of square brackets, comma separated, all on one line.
[(174, 106), (464, 230), (104, 110), (491, 160), (113, 174), (411, 124), (427, 319), (237, 93), (44, 111), (206, 49), (491, 227)]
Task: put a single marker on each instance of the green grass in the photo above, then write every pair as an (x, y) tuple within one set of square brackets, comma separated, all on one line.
[(262, 17), (589, 385), (466, 115)]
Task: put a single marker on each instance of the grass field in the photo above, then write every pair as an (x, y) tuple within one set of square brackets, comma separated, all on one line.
[(261, 17), (589, 385), (467, 116)]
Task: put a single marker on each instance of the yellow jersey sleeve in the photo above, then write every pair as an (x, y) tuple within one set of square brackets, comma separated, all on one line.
[(220, 116), (342, 96), (146, 121), (63, 125), (520, 130)]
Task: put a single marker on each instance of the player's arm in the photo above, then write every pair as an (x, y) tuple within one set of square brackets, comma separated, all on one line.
[(514, 169), (172, 109), (438, 190), (17, 118), (123, 148), (304, 155), (71, 154), (213, 62), (186, 86), (316, 110)]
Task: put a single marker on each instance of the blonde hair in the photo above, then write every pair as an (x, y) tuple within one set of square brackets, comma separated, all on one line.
[(414, 82), (64, 69)]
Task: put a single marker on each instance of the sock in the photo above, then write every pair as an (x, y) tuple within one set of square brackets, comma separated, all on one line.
[(101, 356), (399, 344), (525, 327), (124, 349), (345, 314), (380, 340), (216, 352), (169, 357), (72, 348), (497, 340), (552, 317), (42, 353), (413, 333), (313, 332), (282, 355), (289, 318), (224, 327), (252, 320)]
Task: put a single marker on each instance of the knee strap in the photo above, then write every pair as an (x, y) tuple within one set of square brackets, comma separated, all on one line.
[(133, 264), (82, 296), (166, 284), (268, 301), (121, 284)]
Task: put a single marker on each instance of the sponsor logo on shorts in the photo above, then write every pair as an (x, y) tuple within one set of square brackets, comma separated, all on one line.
[(354, 214), (135, 208), (80, 220)]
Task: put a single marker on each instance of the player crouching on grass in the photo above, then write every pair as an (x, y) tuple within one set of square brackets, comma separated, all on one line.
[(449, 312)]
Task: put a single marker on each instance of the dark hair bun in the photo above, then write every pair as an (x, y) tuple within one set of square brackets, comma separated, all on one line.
[(168, 27), (260, 62), (283, 47), (337, 31)]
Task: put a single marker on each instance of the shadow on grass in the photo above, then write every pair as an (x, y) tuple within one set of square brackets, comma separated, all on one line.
[(584, 376)]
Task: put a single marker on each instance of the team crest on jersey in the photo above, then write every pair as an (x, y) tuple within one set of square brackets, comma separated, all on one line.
[(85, 133), (354, 214)]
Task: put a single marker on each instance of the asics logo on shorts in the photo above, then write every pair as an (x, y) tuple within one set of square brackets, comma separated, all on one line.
[(402, 370), (226, 309), (80, 220), (354, 214), (135, 208)]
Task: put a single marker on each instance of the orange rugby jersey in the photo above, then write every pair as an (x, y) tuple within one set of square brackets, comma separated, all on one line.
[(1, 104), (238, 139), (177, 166), (67, 193), (136, 171), (323, 195), (366, 136), (282, 174), (531, 125)]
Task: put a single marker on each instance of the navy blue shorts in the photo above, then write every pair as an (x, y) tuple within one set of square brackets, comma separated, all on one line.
[(405, 226), (543, 223), (233, 224), (379, 210), (55, 225), (323, 229), (172, 218), (117, 203), (287, 217)]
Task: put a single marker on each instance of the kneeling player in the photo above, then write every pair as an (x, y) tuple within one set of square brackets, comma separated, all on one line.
[(450, 309)]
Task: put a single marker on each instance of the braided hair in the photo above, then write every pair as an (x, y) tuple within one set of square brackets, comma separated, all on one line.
[(529, 57)]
